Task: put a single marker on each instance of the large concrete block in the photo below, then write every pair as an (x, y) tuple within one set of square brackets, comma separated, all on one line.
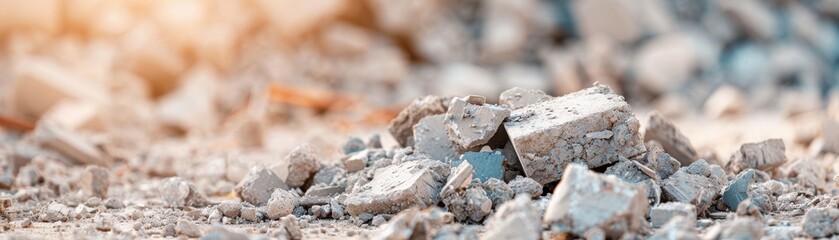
[(394, 188), (594, 126)]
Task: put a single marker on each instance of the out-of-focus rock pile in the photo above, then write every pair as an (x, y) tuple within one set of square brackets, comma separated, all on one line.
[(504, 119)]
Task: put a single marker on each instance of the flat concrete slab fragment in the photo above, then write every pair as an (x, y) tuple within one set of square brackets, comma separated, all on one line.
[(394, 188)]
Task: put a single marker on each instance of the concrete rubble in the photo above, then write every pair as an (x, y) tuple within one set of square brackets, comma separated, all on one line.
[(396, 187), (258, 185), (534, 129), (673, 142), (515, 98), (665, 212), (485, 165), (302, 164), (697, 189), (471, 123), (585, 200), (177, 192), (431, 138), (515, 219), (402, 127), (767, 155)]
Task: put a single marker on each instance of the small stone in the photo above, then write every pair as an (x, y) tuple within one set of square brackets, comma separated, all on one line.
[(256, 187), (187, 228), (337, 209), (353, 145), (177, 192), (282, 203), (678, 227), (402, 127), (820, 222), (516, 219), (396, 187), (549, 135), (485, 165), (471, 125), (808, 173), (526, 185), (95, 181), (586, 200), (302, 165), (250, 214), (230, 208), (738, 190), (765, 156), (356, 161), (221, 233), (661, 130), (515, 98), (114, 203), (700, 167), (663, 213), (169, 230), (378, 220), (292, 227), (691, 188), (497, 191), (375, 141), (103, 225)]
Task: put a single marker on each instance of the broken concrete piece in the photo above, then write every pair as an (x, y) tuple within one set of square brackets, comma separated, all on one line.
[(282, 203), (95, 181), (230, 208), (661, 130), (486, 165), (662, 163), (471, 125), (765, 156), (585, 200), (187, 228), (738, 190), (808, 173), (679, 227), (302, 165), (526, 185), (516, 219), (73, 146), (820, 222), (414, 224), (432, 139), (550, 134), (498, 191), (177, 192), (258, 185), (691, 188), (394, 188), (515, 98), (356, 161), (471, 203), (460, 178), (663, 213), (402, 126)]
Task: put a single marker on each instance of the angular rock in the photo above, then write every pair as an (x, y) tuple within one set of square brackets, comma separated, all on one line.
[(586, 200), (402, 126), (663, 213), (187, 228), (471, 125), (95, 181), (414, 224), (679, 227), (177, 192), (292, 227), (526, 185), (515, 98), (550, 134), (820, 222), (302, 165), (498, 191), (394, 188), (230, 208), (808, 173), (282, 203), (738, 190), (661, 130), (662, 163), (258, 185), (356, 161), (765, 156), (516, 219), (432, 139), (485, 165), (75, 147), (353, 145), (691, 188)]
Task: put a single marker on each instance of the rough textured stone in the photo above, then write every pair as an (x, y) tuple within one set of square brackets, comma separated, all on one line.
[(691, 188), (402, 127), (678, 227), (256, 187), (515, 98), (395, 188), (353, 145), (516, 219), (585, 200), (663, 213), (356, 161), (470, 125), (673, 142), (485, 165), (432, 139), (498, 191), (95, 181), (471, 203), (550, 134), (820, 222), (526, 185), (414, 224), (765, 156), (662, 163), (230, 208), (808, 173), (187, 228), (302, 165), (177, 192), (282, 203)]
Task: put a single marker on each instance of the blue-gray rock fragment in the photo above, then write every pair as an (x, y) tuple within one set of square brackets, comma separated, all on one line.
[(485, 165), (738, 190)]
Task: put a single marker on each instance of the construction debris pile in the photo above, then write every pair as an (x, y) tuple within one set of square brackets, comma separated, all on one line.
[(419, 119)]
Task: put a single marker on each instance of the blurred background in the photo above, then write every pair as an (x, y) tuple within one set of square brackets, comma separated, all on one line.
[(273, 73)]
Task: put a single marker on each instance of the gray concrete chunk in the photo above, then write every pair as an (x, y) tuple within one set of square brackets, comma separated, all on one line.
[(691, 188), (432, 139), (302, 164), (738, 190), (548, 135), (402, 126), (256, 187), (661, 130), (765, 156), (394, 188), (661, 214), (471, 125), (586, 200)]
